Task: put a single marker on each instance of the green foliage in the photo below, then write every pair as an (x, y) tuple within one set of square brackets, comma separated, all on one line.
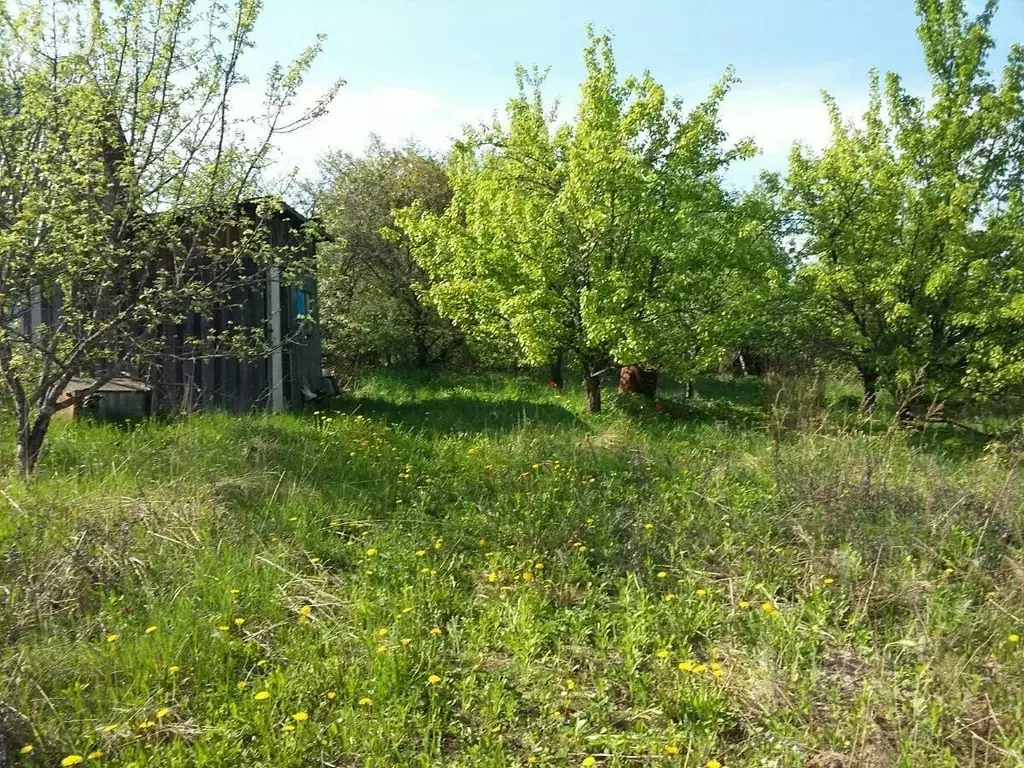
[(889, 565), (370, 285), (611, 239), (914, 219), (129, 195)]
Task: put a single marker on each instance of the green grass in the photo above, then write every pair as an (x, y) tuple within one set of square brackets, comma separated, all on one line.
[(838, 593)]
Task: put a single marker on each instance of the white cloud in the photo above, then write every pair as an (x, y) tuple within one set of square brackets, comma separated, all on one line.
[(774, 116), (396, 114)]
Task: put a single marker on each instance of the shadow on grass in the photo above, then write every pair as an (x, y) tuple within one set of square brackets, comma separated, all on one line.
[(455, 414), (732, 402)]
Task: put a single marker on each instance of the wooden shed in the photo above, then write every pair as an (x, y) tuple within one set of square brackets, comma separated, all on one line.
[(120, 399), (291, 375), (182, 379)]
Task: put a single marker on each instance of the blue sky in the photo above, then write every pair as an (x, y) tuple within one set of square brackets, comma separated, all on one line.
[(424, 68)]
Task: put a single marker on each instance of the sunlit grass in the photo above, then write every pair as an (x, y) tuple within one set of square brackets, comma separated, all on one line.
[(472, 572)]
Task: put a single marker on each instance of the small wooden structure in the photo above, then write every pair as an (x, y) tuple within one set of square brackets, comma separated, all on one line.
[(289, 376), (183, 380), (120, 399)]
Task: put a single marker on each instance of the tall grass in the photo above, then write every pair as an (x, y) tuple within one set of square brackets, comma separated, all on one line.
[(472, 572)]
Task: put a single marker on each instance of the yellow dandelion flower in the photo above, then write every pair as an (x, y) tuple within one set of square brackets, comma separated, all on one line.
[(305, 610), (589, 761), (538, 566), (223, 628), (435, 631), (72, 760), (744, 604), (570, 685), (582, 549), (406, 642), (1014, 638), (382, 648), (662, 654), (492, 577), (262, 695), (527, 576), (471, 452), (365, 701), (421, 552), (531, 760), (669, 597), (162, 712), (686, 666), (649, 526), (300, 717), (768, 608), (662, 575), (382, 632), (150, 630), (671, 749), (110, 639), (702, 593), (371, 552), (110, 728), (829, 581), (241, 684), (433, 680), (331, 695), (239, 621), (439, 543), (94, 755), (146, 725), (173, 668), (236, 591), (712, 764), (288, 727), (482, 542), (26, 750)]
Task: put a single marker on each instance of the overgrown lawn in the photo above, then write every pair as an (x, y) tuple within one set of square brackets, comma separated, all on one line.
[(471, 572)]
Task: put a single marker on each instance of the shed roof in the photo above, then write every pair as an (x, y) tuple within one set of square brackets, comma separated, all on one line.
[(117, 386)]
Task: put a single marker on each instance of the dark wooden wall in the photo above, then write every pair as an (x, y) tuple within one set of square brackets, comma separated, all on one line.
[(184, 382)]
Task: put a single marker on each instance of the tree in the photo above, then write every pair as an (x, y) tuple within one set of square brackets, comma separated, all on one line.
[(601, 240), (125, 187), (370, 285), (913, 220)]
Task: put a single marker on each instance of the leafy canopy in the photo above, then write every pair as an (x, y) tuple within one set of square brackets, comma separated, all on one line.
[(914, 218), (612, 238)]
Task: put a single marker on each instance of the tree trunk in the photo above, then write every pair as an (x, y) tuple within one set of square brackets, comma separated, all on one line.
[(557, 374), (638, 380), (422, 347), (870, 378), (689, 389), (420, 331), (592, 388), (30, 444)]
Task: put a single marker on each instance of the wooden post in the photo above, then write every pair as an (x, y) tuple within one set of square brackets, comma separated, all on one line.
[(276, 353), (36, 318)]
